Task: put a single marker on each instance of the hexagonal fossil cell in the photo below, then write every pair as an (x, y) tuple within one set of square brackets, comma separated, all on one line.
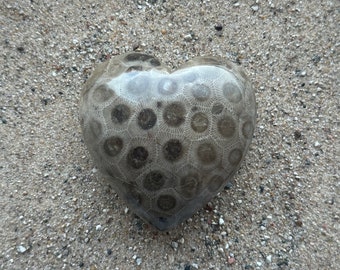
[(137, 157), (206, 153), (200, 91), (120, 113), (232, 92), (113, 146), (154, 180), (166, 202), (174, 114), (190, 185), (146, 119), (247, 129), (172, 150), (102, 93), (226, 126), (199, 122)]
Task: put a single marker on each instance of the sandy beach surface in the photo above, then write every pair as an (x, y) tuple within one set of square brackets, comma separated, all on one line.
[(282, 212)]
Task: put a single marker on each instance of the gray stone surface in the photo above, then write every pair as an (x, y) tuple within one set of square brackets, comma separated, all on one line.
[(158, 138)]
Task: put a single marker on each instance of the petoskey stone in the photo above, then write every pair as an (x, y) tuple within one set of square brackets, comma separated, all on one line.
[(167, 142)]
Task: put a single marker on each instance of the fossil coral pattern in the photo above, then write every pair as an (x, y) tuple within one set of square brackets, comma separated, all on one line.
[(167, 142)]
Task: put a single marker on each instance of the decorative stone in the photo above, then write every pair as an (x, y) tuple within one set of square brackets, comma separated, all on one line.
[(167, 142)]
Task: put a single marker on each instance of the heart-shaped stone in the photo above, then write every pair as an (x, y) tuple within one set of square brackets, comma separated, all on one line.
[(167, 142)]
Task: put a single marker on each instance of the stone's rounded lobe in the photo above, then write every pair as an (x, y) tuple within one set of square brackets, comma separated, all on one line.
[(146, 119), (174, 114), (172, 150), (168, 142), (199, 122), (120, 113), (113, 146), (137, 157)]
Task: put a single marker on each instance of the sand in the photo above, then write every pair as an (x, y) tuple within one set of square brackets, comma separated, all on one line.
[(282, 212)]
